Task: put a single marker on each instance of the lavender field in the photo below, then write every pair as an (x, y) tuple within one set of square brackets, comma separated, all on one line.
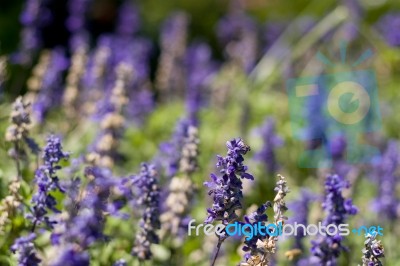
[(241, 132)]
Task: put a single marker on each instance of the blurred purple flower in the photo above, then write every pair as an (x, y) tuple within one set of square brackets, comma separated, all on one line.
[(70, 256), (301, 208), (238, 34), (199, 70), (386, 25), (387, 204), (33, 17), (327, 248), (148, 199), (128, 19), (25, 250), (271, 141), (170, 76), (170, 151), (228, 185), (50, 94)]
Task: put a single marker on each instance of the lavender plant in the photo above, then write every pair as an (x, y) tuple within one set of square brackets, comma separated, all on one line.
[(301, 209), (386, 23), (387, 203), (271, 141), (237, 32), (227, 188), (261, 249), (373, 251), (104, 150), (45, 83), (148, 198), (18, 133), (326, 249), (84, 222), (47, 180), (181, 190), (170, 72), (25, 249)]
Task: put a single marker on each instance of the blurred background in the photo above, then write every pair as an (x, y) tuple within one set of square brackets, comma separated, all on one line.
[(224, 67)]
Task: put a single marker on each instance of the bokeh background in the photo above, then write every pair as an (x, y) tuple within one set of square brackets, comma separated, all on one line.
[(223, 65)]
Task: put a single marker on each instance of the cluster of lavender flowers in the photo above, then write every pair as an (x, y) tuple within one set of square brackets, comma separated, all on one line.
[(270, 142), (326, 249), (42, 201), (84, 221), (45, 83), (387, 203), (18, 132), (112, 122), (261, 248), (386, 25), (170, 73), (181, 189), (227, 188), (373, 251), (47, 180), (148, 199)]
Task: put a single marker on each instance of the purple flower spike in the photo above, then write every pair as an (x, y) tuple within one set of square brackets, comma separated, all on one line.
[(387, 203), (148, 199), (227, 189), (386, 25), (47, 181), (71, 257), (270, 142), (25, 249), (326, 249)]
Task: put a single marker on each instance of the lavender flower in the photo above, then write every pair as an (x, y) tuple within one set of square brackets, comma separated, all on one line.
[(45, 83), (171, 151), (181, 190), (128, 19), (270, 142), (74, 80), (261, 248), (386, 25), (70, 256), (326, 249), (47, 181), (237, 32), (387, 203), (148, 197), (76, 21), (227, 189), (200, 70), (25, 249), (84, 223), (300, 209), (33, 18), (112, 123), (373, 251), (95, 78), (18, 132), (259, 216), (170, 72)]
